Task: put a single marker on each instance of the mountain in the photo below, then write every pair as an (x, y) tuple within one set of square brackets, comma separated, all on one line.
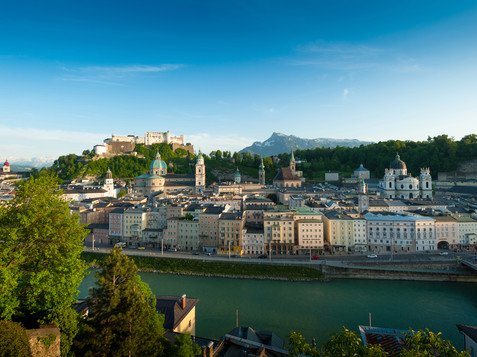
[(280, 143)]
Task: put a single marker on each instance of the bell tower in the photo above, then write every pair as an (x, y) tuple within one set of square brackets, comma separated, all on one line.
[(200, 174), (261, 172)]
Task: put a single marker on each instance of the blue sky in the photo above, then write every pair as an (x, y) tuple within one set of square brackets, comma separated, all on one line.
[(227, 73)]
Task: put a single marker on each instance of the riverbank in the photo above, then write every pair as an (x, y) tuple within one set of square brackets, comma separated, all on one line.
[(218, 268)]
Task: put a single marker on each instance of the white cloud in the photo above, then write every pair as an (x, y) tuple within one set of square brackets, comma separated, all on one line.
[(111, 75), (209, 142), (346, 93)]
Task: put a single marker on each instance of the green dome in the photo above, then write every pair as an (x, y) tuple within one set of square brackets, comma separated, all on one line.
[(158, 163)]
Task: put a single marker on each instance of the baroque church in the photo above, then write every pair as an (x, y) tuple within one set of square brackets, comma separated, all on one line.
[(158, 179), (397, 183)]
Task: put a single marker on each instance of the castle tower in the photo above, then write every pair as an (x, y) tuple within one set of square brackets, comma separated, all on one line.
[(363, 199), (425, 183), (6, 167), (261, 173), (109, 184), (200, 174), (238, 176), (292, 163)]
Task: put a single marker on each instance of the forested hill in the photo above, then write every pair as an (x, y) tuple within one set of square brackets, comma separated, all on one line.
[(440, 153)]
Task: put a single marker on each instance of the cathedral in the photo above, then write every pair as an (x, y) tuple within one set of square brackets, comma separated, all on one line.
[(397, 183), (158, 179)]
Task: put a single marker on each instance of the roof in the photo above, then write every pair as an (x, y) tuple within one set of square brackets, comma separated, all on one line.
[(98, 226), (361, 168), (285, 173), (231, 216), (244, 341), (171, 308), (470, 331), (157, 163), (391, 216), (398, 164), (214, 210), (391, 340)]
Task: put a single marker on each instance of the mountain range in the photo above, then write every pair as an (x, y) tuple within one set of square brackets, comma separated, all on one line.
[(280, 143)]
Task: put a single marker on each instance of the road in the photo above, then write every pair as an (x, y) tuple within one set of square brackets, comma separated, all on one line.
[(292, 259)]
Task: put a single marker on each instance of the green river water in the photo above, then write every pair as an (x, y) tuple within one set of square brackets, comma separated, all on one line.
[(319, 309)]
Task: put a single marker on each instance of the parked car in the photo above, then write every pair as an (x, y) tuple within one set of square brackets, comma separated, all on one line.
[(315, 257), (372, 256), (141, 248), (120, 244), (173, 250), (444, 253), (263, 256), (195, 253)]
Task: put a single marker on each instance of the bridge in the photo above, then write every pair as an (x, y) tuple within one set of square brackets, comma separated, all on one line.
[(470, 263)]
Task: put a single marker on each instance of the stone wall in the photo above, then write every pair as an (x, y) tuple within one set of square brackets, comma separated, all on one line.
[(44, 341)]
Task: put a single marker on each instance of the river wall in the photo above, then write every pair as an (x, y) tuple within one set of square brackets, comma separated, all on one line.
[(418, 271)]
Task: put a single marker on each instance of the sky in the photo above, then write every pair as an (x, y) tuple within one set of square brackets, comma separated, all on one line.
[(228, 73)]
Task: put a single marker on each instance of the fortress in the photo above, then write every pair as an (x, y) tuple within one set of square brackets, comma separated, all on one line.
[(120, 144)]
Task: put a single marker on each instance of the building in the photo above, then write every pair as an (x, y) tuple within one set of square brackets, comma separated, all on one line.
[(279, 231), (188, 234), (397, 183), (261, 173), (158, 179), (361, 173), (332, 176), (179, 313), (447, 232), (339, 231), (288, 176), (253, 240), (399, 233), (209, 227), (6, 167), (363, 198), (200, 174), (231, 232), (470, 338), (237, 177)]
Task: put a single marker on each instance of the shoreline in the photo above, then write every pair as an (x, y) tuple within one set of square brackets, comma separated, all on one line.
[(288, 272)]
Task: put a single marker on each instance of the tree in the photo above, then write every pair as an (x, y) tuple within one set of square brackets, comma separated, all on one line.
[(299, 346), (40, 263), (348, 343), (14, 340), (425, 343), (122, 192), (124, 319), (184, 347)]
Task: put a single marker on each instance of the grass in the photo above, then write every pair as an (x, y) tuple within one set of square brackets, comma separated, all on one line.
[(217, 268)]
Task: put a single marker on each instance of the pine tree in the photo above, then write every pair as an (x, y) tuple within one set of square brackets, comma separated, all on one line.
[(124, 319)]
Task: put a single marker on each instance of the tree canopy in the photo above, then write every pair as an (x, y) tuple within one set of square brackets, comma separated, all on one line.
[(124, 320), (14, 340), (40, 263)]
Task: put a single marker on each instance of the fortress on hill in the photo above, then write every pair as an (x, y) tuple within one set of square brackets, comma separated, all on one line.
[(123, 144)]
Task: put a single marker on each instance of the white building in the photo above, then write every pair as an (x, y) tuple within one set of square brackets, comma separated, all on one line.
[(396, 232), (253, 241), (397, 183)]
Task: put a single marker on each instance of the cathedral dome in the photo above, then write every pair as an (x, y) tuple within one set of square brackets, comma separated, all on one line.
[(158, 163), (398, 164)]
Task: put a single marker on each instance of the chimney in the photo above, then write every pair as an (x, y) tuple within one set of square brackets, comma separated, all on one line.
[(183, 301)]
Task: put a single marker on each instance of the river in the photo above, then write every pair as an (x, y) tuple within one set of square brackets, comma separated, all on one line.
[(319, 309)]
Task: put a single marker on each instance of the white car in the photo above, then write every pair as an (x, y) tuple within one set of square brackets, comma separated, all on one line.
[(443, 253), (372, 256)]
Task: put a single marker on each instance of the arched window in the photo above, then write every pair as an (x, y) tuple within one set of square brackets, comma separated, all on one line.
[(427, 184), (410, 187), (390, 185), (402, 186)]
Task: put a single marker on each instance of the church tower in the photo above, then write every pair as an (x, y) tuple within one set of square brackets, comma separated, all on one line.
[(109, 184), (425, 183), (363, 199), (261, 173), (292, 163), (200, 174), (237, 177)]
